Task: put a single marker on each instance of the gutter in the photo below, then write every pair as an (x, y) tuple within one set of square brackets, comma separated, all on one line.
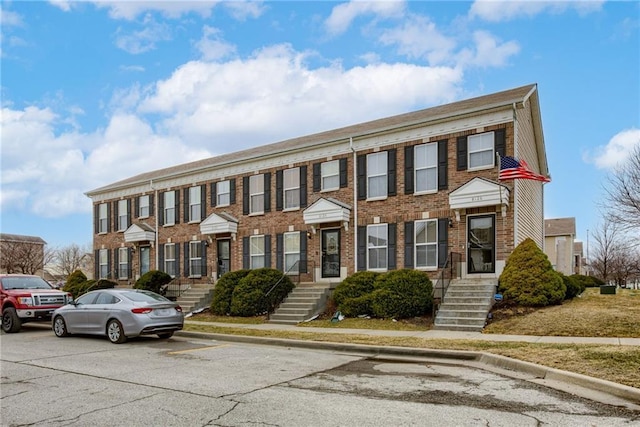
[(355, 207)]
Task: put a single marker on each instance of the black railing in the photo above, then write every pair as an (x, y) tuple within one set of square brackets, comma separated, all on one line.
[(293, 271), (452, 270), (175, 288)]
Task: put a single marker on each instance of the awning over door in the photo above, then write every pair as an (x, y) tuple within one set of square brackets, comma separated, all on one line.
[(219, 223), (477, 193), (327, 210), (139, 233)]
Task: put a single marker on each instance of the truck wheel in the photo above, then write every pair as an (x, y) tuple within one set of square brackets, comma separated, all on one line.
[(60, 327), (10, 320), (115, 332)]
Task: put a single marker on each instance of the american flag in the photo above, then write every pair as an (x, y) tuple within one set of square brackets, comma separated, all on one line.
[(512, 168)]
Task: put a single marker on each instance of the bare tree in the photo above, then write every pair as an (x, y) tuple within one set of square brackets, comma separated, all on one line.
[(25, 257), (606, 249), (71, 258), (623, 193)]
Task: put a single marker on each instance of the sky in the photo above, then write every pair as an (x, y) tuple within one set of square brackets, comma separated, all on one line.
[(95, 92)]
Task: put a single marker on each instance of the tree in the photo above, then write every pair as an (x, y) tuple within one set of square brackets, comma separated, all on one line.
[(25, 256), (613, 255), (71, 258), (623, 193)]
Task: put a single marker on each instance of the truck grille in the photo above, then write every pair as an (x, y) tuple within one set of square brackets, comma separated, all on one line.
[(49, 299)]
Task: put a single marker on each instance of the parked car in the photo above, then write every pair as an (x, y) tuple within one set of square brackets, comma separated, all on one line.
[(119, 314)]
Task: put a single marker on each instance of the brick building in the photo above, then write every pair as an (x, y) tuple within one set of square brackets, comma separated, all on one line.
[(402, 191)]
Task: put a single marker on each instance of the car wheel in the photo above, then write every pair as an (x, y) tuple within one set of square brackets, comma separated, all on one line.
[(115, 332), (60, 327), (165, 335), (10, 320)]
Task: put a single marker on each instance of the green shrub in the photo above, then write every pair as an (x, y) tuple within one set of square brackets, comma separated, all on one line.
[(355, 286), (152, 281), (353, 307), (529, 279), (250, 297), (587, 281), (574, 287), (223, 291), (74, 283), (401, 294)]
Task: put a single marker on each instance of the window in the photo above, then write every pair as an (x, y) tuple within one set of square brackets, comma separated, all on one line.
[(103, 219), (170, 259), (170, 208), (195, 204), (123, 263), (291, 251), (257, 252), (144, 207), (223, 193), (103, 263), (105, 298), (123, 215), (426, 243), (195, 259), (377, 243), (292, 188), (377, 175), (330, 175), (145, 259), (480, 150), (426, 167), (256, 194)]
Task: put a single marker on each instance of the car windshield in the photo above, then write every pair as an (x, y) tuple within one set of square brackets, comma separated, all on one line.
[(144, 296), (26, 282)]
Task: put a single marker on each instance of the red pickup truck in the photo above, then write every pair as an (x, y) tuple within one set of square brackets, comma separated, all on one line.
[(27, 298)]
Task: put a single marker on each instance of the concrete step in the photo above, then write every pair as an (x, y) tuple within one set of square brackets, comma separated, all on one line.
[(448, 313)]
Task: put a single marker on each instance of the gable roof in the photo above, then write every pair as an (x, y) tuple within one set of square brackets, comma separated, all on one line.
[(18, 238), (407, 120), (560, 227)]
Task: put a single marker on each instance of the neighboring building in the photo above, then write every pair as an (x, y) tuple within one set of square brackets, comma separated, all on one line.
[(398, 192), (579, 261), (21, 254), (559, 241)]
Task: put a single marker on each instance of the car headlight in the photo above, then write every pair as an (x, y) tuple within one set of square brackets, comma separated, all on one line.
[(25, 300)]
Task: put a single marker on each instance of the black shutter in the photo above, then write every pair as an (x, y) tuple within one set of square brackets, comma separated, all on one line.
[(96, 220), (185, 207), (203, 260), (362, 176), (115, 216), (391, 247), (443, 241), (500, 143), (128, 212), (232, 191), (267, 251), (362, 247), (137, 207), (267, 192), (116, 263), (408, 170), (187, 264), (317, 177), (109, 264), (391, 172), (246, 254), (203, 202), (129, 263), (302, 265), (160, 218), (442, 165), (303, 186), (462, 153), (279, 190), (152, 212), (213, 194), (344, 181), (96, 263), (408, 244), (161, 259), (280, 252), (108, 217), (177, 259), (245, 195)]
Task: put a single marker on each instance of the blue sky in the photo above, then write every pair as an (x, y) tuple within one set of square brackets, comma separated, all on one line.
[(94, 92)]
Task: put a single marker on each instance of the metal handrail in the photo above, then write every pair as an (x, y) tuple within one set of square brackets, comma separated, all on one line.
[(451, 269), (287, 273)]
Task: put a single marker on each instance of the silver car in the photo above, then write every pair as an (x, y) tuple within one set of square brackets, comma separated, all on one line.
[(119, 314)]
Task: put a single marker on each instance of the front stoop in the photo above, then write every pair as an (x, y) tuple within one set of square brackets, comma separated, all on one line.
[(466, 305), (303, 302), (195, 297)]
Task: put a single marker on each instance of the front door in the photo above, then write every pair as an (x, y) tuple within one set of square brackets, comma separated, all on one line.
[(481, 244), (331, 253), (145, 259), (224, 256)]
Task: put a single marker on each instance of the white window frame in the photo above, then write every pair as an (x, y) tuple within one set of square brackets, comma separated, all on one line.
[(169, 208), (291, 249), (291, 188), (123, 263), (195, 204), (103, 218), (195, 258), (479, 144), (144, 206), (256, 194), (373, 247), (257, 252), (330, 175), (103, 262), (377, 161), (425, 167), (170, 261), (123, 222), (426, 244), (223, 193)]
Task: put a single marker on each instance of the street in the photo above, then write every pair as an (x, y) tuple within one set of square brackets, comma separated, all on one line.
[(87, 381)]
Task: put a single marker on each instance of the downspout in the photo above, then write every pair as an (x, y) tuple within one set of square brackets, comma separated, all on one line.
[(515, 193), (155, 213), (355, 207)]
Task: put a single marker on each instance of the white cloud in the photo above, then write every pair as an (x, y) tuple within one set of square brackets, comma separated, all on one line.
[(488, 51), (143, 40), (241, 10), (212, 46), (498, 11), (64, 5), (130, 10), (616, 151), (344, 14), (9, 18)]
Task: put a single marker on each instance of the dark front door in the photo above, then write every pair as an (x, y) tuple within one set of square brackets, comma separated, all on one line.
[(481, 244), (145, 259), (224, 256), (331, 253)]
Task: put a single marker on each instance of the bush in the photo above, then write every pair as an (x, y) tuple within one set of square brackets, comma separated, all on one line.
[(574, 287), (587, 281), (74, 283), (529, 279), (223, 291), (353, 307), (249, 298), (354, 286), (152, 281), (401, 294)]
